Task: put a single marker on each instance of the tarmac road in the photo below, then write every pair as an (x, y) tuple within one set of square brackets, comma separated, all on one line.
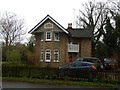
[(15, 84)]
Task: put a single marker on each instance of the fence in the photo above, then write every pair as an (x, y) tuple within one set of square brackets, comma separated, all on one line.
[(65, 74), (33, 72)]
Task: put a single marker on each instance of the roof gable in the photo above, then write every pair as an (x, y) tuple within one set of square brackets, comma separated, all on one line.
[(50, 18)]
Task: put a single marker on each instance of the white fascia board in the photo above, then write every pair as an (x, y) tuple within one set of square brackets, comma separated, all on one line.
[(48, 17), (58, 25)]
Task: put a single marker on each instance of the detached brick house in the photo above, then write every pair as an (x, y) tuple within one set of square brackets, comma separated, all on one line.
[(55, 45)]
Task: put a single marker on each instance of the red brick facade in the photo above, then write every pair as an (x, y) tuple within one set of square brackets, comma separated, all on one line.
[(51, 45)]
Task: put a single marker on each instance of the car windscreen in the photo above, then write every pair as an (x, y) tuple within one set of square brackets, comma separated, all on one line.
[(92, 60), (79, 59)]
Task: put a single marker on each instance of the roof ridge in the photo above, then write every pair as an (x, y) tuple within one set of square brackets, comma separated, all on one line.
[(43, 20)]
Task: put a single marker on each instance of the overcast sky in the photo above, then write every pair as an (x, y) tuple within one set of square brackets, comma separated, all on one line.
[(33, 11)]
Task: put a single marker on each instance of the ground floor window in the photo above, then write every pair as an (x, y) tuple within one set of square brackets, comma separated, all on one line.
[(56, 55), (47, 55)]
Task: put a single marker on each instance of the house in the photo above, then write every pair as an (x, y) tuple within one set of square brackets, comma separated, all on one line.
[(55, 45)]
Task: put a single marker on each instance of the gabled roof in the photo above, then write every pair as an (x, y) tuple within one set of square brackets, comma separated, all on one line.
[(46, 18), (80, 33)]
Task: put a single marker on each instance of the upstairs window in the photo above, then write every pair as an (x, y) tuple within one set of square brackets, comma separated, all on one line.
[(56, 55), (56, 36), (48, 36), (47, 55)]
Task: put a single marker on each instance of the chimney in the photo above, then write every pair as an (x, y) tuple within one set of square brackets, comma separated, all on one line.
[(69, 25)]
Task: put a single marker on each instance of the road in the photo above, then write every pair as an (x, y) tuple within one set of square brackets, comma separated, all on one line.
[(15, 84)]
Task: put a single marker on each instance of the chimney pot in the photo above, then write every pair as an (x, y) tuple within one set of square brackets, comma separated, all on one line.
[(69, 25)]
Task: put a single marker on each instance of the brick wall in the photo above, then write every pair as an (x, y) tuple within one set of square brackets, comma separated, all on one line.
[(61, 45), (86, 48)]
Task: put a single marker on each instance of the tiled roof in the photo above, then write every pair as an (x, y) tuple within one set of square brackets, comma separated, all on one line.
[(80, 33), (73, 32)]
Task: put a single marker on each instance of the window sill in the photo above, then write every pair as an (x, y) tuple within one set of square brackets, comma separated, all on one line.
[(56, 61), (47, 61), (48, 40), (56, 40), (41, 60), (41, 40)]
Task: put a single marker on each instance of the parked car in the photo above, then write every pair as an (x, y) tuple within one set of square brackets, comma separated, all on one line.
[(78, 69), (79, 65), (110, 63), (94, 60)]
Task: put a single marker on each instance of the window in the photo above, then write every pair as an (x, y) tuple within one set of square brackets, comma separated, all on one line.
[(56, 55), (56, 36), (41, 55), (48, 55), (48, 36), (41, 36)]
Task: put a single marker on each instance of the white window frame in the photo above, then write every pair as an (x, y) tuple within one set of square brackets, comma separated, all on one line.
[(41, 55), (48, 39), (57, 55), (46, 52), (55, 38)]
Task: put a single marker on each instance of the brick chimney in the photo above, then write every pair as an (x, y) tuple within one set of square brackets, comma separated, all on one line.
[(69, 25)]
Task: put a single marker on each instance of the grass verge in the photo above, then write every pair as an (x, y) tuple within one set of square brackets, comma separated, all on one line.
[(60, 82)]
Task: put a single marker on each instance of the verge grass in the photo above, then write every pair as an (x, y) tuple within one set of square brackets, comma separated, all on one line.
[(61, 82)]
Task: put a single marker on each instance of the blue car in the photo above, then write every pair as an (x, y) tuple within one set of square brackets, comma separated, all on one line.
[(79, 65), (93, 60), (78, 70)]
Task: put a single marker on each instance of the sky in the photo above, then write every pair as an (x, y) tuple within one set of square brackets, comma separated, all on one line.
[(33, 11)]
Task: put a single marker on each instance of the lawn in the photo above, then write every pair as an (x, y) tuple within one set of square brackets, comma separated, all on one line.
[(61, 82)]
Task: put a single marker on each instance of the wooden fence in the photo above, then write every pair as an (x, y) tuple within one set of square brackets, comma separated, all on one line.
[(66, 74)]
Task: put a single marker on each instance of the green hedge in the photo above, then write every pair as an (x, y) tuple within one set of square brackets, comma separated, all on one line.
[(27, 71)]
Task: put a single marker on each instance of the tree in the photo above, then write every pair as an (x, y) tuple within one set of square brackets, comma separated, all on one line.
[(93, 18), (30, 53), (111, 34), (109, 38), (115, 11), (31, 43), (11, 31), (11, 28), (14, 55), (100, 49)]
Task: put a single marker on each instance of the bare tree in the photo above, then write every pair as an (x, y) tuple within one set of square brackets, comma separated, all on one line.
[(11, 31), (115, 11), (93, 17), (11, 28)]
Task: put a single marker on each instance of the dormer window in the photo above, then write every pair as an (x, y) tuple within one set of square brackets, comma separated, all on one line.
[(48, 36), (56, 36), (48, 25)]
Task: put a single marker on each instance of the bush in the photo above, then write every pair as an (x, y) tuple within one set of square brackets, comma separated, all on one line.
[(27, 71)]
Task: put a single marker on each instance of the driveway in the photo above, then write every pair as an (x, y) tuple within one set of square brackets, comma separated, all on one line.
[(15, 84)]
